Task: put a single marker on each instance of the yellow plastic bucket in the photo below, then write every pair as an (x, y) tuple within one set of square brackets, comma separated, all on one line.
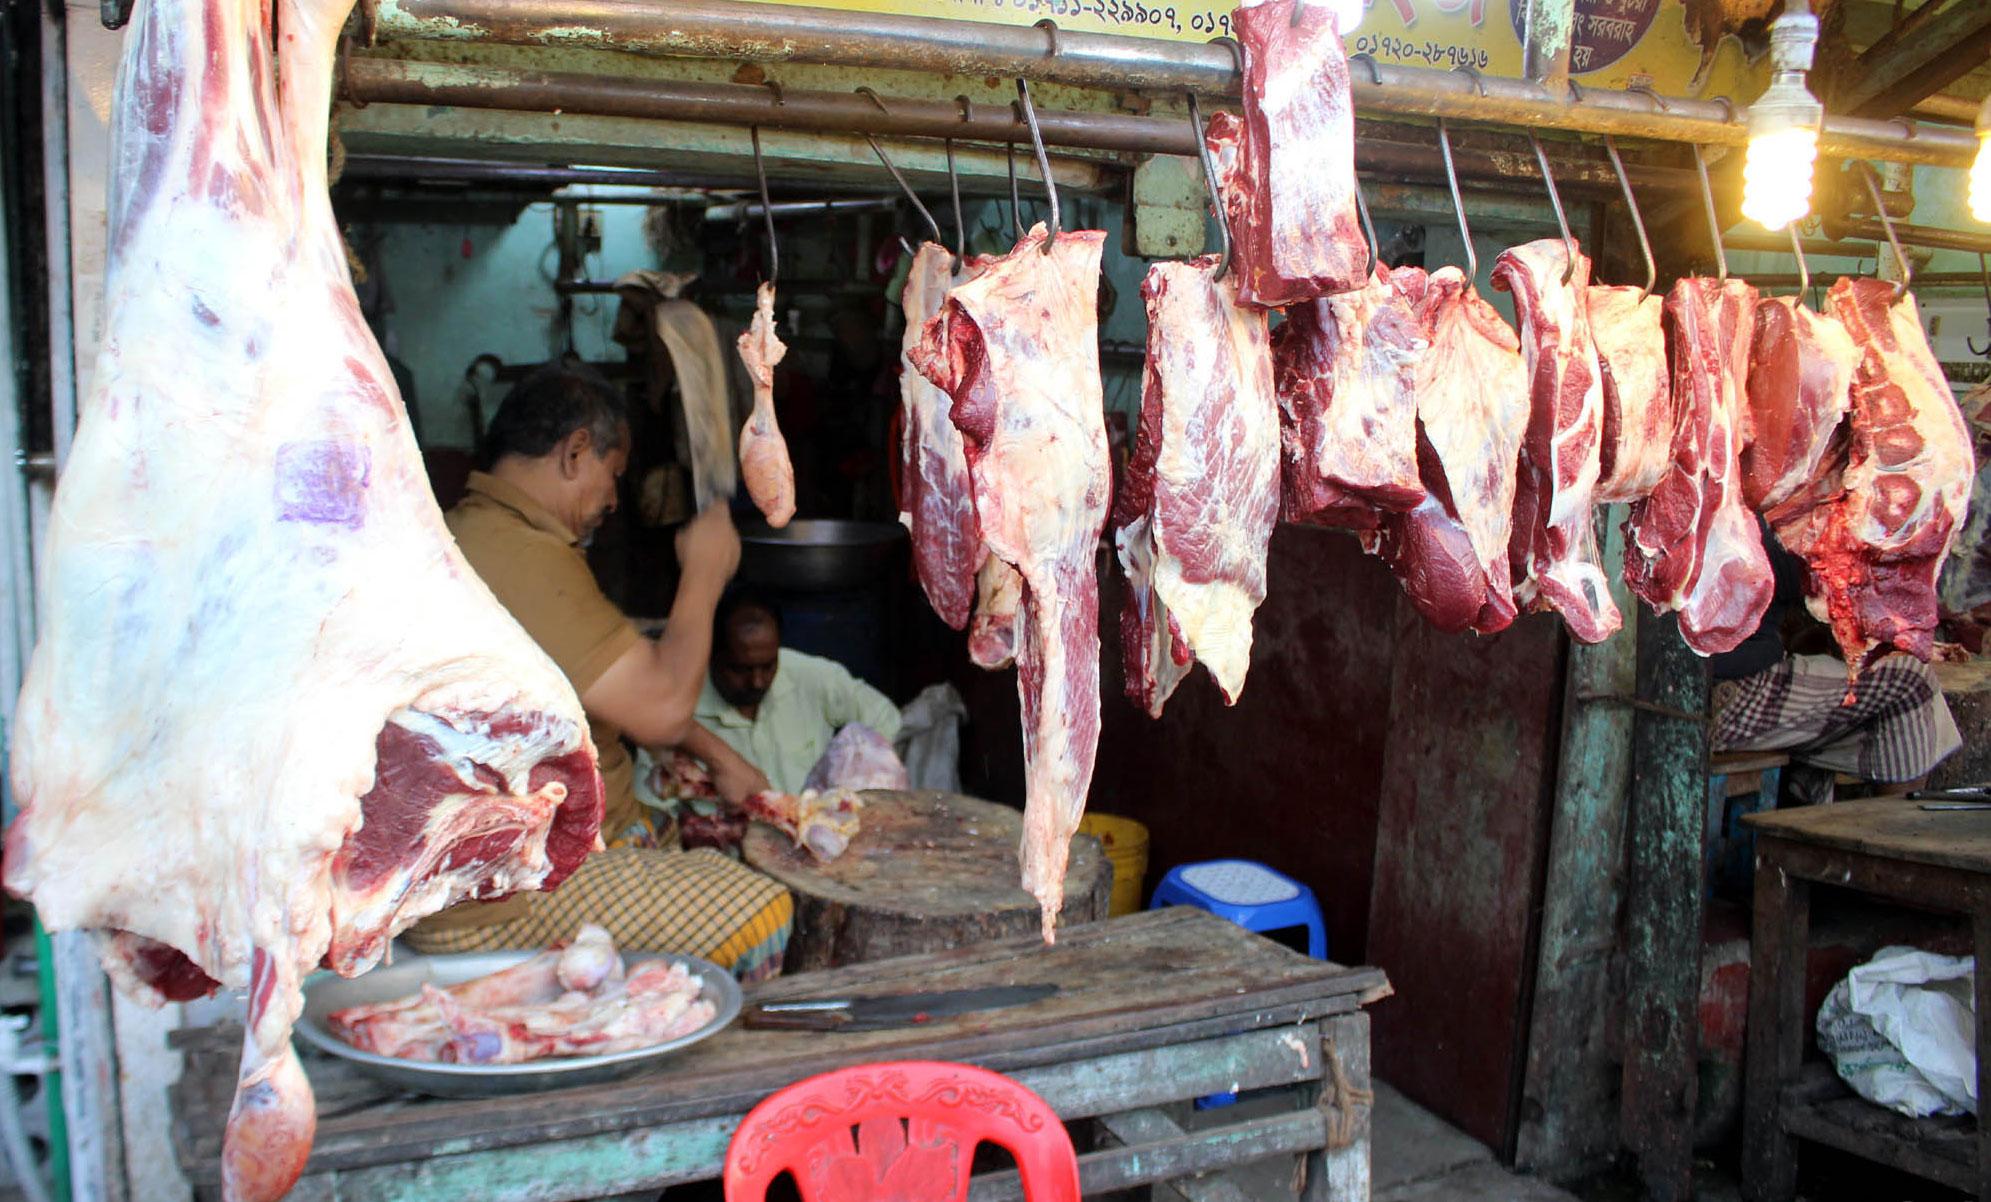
[(1126, 845)]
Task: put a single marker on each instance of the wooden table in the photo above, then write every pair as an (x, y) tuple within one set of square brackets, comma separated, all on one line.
[(1153, 1010), (1892, 849), (926, 872)]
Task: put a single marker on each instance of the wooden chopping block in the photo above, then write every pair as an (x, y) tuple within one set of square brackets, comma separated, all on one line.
[(928, 871)]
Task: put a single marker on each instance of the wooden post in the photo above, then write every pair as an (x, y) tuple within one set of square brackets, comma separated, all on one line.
[(1663, 910), (1776, 1027), (1568, 1122), (1341, 1174)]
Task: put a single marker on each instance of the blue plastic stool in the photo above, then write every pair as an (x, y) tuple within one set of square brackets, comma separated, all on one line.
[(1251, 895)]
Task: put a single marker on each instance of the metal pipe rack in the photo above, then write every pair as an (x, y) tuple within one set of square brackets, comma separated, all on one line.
[(737, 30)]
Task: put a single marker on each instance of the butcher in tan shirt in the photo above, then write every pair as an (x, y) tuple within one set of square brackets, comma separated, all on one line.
[(557, 447)]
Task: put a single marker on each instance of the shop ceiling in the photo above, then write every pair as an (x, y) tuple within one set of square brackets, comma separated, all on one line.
[(670, 87)]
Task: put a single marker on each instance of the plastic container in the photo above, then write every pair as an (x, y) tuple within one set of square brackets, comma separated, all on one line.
[(1126, 844)]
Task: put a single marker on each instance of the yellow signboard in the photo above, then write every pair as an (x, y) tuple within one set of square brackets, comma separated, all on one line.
[(1617, 42)]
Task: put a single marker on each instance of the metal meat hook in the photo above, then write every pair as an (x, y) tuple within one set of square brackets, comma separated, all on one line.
[(766, 210), (1216, 197), (1887, 223), (1362, 206), (1458, 203), (1714, 223), (954, 189), (1638, 219), (1043, 159), (1803, 268), (1555, 202), (939, 239), (1984, 273)]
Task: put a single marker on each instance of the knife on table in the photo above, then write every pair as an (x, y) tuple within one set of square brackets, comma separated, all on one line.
[(882, 1011)]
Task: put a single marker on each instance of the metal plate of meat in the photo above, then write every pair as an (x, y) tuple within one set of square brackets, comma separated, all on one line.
[(328, 992)]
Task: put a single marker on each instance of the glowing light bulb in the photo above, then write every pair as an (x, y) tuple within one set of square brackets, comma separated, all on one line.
[(1980, 169), (1776, 177), (1783, 126)]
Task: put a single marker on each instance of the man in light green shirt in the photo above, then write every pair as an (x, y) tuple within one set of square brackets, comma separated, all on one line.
[(779, 708)]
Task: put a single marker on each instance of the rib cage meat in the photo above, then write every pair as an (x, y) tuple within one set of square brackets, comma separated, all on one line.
[(273, 717), (1875, 529)]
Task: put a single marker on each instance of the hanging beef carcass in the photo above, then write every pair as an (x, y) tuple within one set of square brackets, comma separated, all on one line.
[(1471, 387), (1346, 381), (763, 452), (954, 566), (1692, 545), (1800, 387), (1018, 350), (1292, 209), (1553, 551), (1636, 446), (1875, 529), (273, 717), (1197, 505)]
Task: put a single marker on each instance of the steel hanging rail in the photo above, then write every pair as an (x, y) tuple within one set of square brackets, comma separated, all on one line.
[(743, 30)]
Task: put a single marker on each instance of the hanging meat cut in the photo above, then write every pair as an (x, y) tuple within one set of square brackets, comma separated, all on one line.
[(1693, 545), (937, 506), (1471, 386), (1346, 381), (1876, 530), (1018, 350), (1800, 387), (1553, 553), (763, 452), (1637, 439), (954, 565), (1197, 505), (1291, 197), (273, 717)]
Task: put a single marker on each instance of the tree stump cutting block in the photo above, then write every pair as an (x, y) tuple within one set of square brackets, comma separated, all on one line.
[(928, 871)]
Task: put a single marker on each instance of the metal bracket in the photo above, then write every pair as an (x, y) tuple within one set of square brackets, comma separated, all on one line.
[(37, 465), (114, 13)]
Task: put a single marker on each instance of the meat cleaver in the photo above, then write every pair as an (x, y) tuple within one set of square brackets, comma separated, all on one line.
[(883, 1011)]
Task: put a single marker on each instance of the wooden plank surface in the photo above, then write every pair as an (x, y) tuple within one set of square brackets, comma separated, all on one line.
[(927, 870), (1893, 829), (1146, 980), (1822, 1109)]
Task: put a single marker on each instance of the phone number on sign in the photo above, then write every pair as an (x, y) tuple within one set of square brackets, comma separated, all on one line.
[(1123, 14), (1434, 54)]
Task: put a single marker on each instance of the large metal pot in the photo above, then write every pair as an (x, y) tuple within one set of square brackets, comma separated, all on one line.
[(820, 556)]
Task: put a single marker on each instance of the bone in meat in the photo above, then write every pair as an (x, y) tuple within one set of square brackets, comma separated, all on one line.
[(273, 718), (1018, 349), (1692, 545), (1197, 507), (1553, 552), (1875, 532), (763, 452)]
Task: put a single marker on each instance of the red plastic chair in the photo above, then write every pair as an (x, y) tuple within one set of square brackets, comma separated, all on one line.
[(917, 1123)]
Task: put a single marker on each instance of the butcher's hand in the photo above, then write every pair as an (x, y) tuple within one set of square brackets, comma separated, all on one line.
[(737, 780), (708, 548)]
